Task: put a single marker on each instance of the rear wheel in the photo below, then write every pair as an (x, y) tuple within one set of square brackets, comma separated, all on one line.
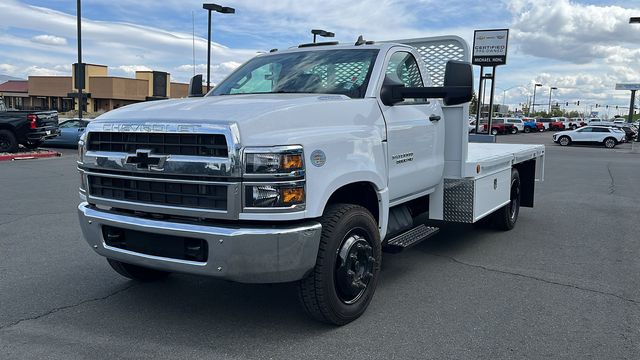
[(564, 141), (135, 272), (506, 218), (494, 131), (573, 127), (610, 143), (514, 130), (8, 142), (527, 130), (343, 282)]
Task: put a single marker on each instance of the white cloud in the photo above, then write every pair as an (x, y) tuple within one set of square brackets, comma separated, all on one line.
[(49, 40), (131, 69)]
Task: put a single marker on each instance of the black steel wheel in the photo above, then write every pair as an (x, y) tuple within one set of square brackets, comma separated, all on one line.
[(135, 272), (8, 142), (506, 218), (343, 282)]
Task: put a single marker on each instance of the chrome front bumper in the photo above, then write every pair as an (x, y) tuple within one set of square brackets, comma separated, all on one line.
[(249, 254)]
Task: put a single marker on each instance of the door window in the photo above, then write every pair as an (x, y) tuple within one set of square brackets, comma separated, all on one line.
[(403, 67)]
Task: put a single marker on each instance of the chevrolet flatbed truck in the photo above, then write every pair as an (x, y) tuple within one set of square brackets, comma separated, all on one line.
[(302, 165)]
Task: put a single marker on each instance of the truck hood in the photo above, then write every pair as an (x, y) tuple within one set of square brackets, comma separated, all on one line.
[(262, 119), (224, 109)]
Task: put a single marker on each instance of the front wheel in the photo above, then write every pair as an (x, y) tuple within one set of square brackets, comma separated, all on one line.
[(514, 130), (494, 131), (610, 143), (573, 127), (564, 141), (342, 284), (527, 130)]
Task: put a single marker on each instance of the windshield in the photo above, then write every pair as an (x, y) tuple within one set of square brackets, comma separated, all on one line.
[(343, 72)]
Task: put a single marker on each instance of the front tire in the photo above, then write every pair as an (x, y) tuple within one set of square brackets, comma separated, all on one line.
[(610, 143), (137, 273), (494, 131), (342, 284), (527, 130), (514, 131), (564, 141)]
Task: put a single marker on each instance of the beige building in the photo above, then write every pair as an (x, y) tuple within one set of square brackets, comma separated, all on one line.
[(105, 92)]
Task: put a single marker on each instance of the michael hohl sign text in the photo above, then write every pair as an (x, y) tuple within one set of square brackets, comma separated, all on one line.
[(490, 47)]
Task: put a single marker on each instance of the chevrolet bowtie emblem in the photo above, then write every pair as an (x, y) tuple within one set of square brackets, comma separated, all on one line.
[(145, 160)]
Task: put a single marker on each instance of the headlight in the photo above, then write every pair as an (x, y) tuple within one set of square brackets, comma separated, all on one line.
[(287, 195), (81, 146), (276, 161)]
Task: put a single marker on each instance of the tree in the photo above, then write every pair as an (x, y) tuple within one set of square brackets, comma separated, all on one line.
[(473, 106)]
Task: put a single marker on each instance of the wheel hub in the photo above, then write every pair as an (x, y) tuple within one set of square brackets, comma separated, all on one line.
[(355, 265)]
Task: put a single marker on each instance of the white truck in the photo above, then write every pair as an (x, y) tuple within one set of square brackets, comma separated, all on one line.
[(302, 165)]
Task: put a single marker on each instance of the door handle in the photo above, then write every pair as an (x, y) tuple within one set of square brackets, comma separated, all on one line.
[(434, 117)]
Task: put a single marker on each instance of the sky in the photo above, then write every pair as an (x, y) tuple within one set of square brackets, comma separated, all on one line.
[(581, 47)]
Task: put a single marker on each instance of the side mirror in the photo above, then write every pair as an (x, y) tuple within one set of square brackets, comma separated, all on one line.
[(195, 86), (457, 89), (390, 94), (458, 80)]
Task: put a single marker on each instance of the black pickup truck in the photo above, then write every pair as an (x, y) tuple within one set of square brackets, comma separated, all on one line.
[(28, 128)]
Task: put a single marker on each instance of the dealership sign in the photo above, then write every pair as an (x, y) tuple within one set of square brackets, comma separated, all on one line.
[(490, 47), (632, 87)]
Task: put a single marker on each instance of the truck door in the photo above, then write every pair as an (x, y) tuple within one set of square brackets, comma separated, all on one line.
[(415, 133)]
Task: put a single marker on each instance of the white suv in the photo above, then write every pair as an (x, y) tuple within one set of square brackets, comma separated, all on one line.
[(609, 137)]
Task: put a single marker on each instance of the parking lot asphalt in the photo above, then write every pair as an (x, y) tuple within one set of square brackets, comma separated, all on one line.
[(565, 283)]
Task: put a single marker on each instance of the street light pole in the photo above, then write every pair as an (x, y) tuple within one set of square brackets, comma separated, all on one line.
[(633, 20), (222, 10), (533, 105), (550, 90), (79, 66)]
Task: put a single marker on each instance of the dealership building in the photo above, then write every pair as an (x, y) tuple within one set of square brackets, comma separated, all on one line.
[(104, 92)]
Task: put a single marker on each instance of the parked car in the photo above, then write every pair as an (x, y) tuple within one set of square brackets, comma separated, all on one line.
[(575, 123), (630, 131), (530, 124), (557, 124), (546, 122), (498, 126), (27, 128), (70, 132), (609, 137), (517, 122)]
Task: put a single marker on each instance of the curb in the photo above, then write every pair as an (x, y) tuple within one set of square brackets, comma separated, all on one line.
[(28, 156)]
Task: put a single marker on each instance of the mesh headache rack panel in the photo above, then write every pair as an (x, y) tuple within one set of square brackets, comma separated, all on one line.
[(436, 51)]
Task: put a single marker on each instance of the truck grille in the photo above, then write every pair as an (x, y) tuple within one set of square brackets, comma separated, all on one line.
[(160, 143), (198, 196)]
